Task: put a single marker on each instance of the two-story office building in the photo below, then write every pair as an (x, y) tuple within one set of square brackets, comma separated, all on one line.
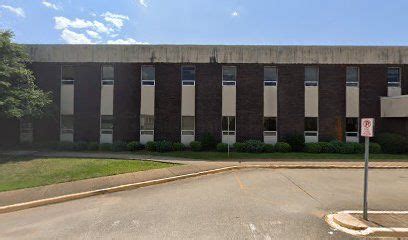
[(105, 93)]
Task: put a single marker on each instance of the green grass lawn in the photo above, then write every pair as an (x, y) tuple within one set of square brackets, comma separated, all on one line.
[(288, 156), (24, 172)]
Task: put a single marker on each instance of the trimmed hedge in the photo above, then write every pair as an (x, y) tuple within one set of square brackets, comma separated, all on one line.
[(254, 146), (119, 146), (178, 146), (313, 148), (282, 147), (93, 146), (150, 146), (240, 147), (269, 148), (222, 147), (134, 146), (164, 146), (105, 147), (195, 146), (296, 141), (375, 148), (392, 143), (208, 142)]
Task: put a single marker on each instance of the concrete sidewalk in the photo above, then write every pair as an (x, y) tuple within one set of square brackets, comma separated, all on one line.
[(379, 223)]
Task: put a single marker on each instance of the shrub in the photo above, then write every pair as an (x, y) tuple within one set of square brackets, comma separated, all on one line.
[(326, 147), (150, 146), (178, 146), (93, 146), (336, 146), (65, 146), (392, 143), (105, 147), (282, 147), (358, 148), (195, 146), (80, 146), (119, 146), (375, 148), (222, 147), (313, 148), (240, 147), (208, 142), (134, 146), (349, 148), (254, 146), (296, 141), (269, 148), (164, 146)]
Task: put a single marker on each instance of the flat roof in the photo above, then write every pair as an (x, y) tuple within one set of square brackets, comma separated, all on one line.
[(219, 53)]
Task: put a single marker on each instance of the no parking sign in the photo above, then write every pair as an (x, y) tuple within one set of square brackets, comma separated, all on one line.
[(367, 127), (367, 131)]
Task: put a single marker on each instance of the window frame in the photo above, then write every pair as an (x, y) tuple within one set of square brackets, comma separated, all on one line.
[(229, 82), (271, 83), (353, 133), (67, 81), (146, 131), (188, 132), (67, 130), (268, 132), (107, 82), (188, 82), (310, 133), (392, 84), (353, 84), (106, 130), (147, 82), (226, 132), (309, 83)]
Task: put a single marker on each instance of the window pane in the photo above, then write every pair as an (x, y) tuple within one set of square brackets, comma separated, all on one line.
[(269, 124), (67, 121), (229, 73), (310, 124), (311, 74), (351, 124), (187, 123), (188, 73), (68, 73), (352, 75), (270, 74), (106, 122), (225, 121), (107, 73), (393, 75), (148, 73), (146, 122)]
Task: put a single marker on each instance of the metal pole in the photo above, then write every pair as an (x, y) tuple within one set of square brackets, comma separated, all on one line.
[(367, 146), (228, 118)]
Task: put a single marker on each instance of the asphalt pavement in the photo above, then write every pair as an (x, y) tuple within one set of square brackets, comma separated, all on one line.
[(245, 204)]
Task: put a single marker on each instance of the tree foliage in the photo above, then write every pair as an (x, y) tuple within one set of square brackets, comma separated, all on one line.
[(19, 96)]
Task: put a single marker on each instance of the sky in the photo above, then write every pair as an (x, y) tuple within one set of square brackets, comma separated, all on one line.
[(232, 22)]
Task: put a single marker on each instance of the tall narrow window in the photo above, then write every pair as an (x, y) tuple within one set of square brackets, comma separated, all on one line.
[(393, 77), (187, 125), (67, 124), (106, 124), (229, 75), (148, 75), (228, 125), (311, 76), (108, 75), (311, 126), (270, 76), (352, 76), (146, 124), (68, 75), (269, 126), (188, 75), (352, 127)]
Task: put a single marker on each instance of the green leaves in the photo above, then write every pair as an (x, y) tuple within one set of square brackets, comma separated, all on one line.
[(19, 96)]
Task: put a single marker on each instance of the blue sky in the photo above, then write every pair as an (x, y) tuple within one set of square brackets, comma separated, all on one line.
[(266, 22)]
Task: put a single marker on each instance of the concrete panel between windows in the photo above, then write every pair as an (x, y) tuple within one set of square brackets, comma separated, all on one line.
[(188, 101), (394, 91), (394, 106), (67, 99), (352, 102), (311, 101), (107, 100), (270, 101), (147, 100), (229, 100)]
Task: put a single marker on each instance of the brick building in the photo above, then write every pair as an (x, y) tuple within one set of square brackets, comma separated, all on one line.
[(105, 93)]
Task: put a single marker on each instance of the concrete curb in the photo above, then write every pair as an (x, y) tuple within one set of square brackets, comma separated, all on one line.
[(74, 196), (345, 222)]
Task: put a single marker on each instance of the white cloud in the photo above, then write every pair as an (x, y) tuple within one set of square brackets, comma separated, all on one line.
[(125, 41), (16, 10), (64, 23), (115, 19), (74, 38), (143, 3), (93, 34), (235, 14), (100, 27), (50, 5)]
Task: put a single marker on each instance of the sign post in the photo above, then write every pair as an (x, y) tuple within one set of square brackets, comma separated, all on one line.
[(367, 131)]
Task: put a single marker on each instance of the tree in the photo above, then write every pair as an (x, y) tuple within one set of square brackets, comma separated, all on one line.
[(19, 96)]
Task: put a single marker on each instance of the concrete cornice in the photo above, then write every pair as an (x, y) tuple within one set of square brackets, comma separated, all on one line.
[(219, 54)]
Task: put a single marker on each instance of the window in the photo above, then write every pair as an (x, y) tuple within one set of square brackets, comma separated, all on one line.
[(107, 75), (106, 124), (187, 125), (147, 124), (270, 76), (311, 127), (393, 77), (148, 75), (67, 124), (228, 125), (352, 76), (352, 127), (68, 74), (229, 75), (270, 126), (311, 76), (188, 75)]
